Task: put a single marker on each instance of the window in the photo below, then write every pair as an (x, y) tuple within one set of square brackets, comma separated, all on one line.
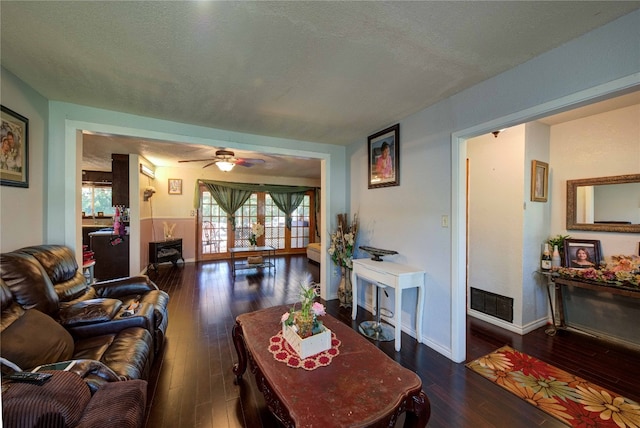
[(217, 235), (97, 199)]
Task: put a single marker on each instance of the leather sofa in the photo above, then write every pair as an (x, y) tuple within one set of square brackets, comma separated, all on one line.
[(50, 314)]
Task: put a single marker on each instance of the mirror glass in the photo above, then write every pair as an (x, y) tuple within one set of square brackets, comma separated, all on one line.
[(609, 204)]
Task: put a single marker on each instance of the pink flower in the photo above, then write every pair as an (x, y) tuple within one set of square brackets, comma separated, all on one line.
[(318, 309), (284, 317)]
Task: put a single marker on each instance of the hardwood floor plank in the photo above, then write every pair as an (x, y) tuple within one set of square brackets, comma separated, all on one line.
[(192, 385)]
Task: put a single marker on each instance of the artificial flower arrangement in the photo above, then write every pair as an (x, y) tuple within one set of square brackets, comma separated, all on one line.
[(301, 328), (343, 241), (618, 270), (305, 321), (257, 230)]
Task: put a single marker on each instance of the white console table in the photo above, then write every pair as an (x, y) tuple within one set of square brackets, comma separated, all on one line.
[(394, 275)]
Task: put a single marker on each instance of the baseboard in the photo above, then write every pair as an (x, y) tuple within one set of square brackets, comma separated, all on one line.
[(521, 330)]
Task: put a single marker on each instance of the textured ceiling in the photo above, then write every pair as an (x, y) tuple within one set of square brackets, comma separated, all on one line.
[(327, 72)]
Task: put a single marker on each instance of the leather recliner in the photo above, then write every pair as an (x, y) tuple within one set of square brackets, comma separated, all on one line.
[(50, 313), (47, 278)]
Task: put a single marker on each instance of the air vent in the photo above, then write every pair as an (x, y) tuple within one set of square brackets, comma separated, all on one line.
[(492, 304)]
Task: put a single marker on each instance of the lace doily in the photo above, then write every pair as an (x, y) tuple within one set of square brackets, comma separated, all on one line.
[(284, 353)]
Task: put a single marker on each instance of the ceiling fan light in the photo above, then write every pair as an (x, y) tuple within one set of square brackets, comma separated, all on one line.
[(225, 166)]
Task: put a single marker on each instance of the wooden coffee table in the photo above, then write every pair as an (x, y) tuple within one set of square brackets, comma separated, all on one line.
[(361, 387)]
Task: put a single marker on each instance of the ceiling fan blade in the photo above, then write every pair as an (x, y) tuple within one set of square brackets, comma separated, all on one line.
[(248, 162), (195, 160), (211, 163)]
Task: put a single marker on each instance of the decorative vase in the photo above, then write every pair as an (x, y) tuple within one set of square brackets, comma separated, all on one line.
[(345, 294)]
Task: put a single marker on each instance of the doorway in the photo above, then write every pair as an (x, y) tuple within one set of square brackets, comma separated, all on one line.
[(459, 207)]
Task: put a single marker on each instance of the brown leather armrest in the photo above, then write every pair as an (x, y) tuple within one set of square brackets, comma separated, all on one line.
[(143, 317), (115, 288), (90, 311)]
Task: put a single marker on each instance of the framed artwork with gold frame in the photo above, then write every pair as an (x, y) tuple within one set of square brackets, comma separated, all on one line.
[(175, 186), (539, 181)]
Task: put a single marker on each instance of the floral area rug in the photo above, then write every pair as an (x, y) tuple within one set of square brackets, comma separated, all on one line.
[(569, 398), (283, 352)]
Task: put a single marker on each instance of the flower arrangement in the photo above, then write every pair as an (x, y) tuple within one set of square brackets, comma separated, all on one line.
[(343, 241), (618, 270), (305, 321), (257, 230)]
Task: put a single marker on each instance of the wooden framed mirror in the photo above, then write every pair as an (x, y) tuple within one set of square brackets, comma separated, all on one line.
[(604, 204)]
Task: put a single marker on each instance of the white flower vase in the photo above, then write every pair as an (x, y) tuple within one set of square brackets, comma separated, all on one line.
[(345, 293)]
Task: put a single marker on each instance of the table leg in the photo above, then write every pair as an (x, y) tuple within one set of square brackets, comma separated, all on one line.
[(233, 264), (354, 293), (420, 313), (238, 341), (397, 317), (551, 331), (418, 411)]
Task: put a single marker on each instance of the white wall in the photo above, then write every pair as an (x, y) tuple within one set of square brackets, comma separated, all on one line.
[(21, 209), (407, 218), (496, 188), (596, 146)]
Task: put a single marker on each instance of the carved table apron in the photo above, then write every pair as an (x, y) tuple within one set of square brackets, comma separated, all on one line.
[(361, 387)]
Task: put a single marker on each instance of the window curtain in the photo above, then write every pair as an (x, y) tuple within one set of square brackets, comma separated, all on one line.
[(231, 196), (287, 202), (230, 200)]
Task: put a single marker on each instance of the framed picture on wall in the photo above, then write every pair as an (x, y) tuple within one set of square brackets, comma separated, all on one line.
[(14, 151), (384, 158), (175, 186), (539, 181), (582, 253)]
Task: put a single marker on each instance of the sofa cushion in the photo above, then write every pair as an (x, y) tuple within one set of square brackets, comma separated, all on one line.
[(57, 260), (128, 353), (117, 404), (59, 402), (34, 339), (28, 282), (60, 264)]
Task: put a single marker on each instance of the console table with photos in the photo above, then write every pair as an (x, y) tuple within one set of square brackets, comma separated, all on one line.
[(397, 276), (604, 310), (252, 258)]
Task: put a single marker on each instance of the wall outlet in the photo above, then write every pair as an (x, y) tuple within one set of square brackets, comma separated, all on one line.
[(192, 213)]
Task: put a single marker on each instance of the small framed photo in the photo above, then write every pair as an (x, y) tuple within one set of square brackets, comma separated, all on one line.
[(384, 158), (14, 149), (175, 186), (539, 181), (582, 253)]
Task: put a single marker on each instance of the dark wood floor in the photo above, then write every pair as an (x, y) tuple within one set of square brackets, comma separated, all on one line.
[(192, 385)]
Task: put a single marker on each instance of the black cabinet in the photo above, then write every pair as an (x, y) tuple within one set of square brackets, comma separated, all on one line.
[(169, 250), (111, 254), (120, 184)]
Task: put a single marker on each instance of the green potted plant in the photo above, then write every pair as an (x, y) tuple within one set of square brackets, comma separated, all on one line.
[(559, 241)]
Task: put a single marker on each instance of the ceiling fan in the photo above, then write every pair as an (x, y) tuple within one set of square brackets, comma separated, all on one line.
[(225, 160)]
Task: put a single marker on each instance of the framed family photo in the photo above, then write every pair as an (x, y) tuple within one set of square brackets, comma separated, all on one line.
[(14, 150), (539, 181), (175, 186), (582, 253), (384, 158)]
